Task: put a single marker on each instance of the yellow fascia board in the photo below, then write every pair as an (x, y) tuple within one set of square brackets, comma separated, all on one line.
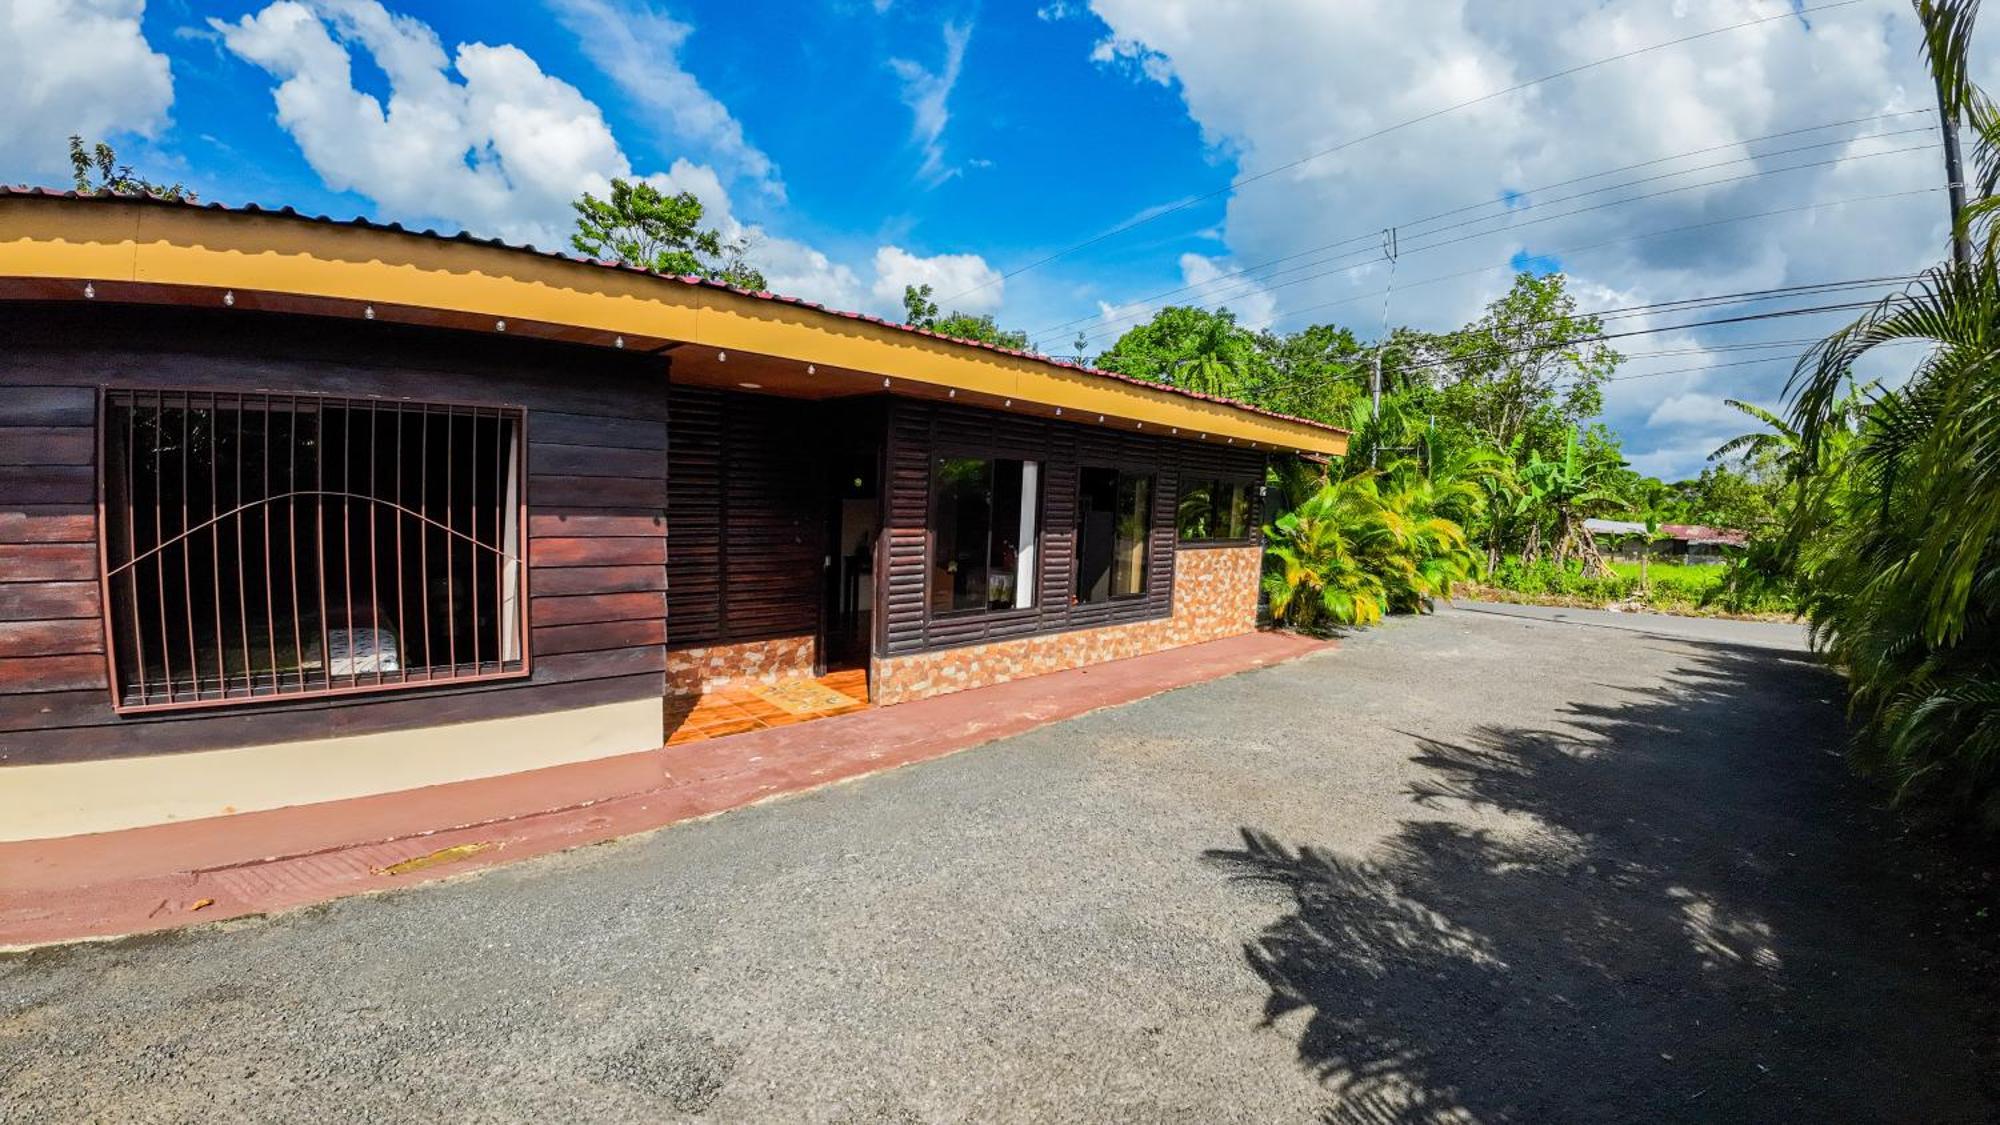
[(86, 240)]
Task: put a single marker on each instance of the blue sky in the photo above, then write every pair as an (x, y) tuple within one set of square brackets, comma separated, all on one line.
[(864, 144)]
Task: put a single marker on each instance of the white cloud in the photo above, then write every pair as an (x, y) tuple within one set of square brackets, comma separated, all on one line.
[(639, 48), (503, 151), (1697, 411), (928, 94), (976, 285), (1216, 286), (74, 66), (485, 139), (1302, 76)]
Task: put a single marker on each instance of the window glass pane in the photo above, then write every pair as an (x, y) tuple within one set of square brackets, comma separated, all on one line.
[(1233, 511), (1114, 515), (983, 531), (1193, 515), (1135, 505), (961, 524)]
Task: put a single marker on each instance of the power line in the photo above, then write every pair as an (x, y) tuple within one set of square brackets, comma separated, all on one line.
[(1750, 318), (1585, 247), (1265, 285), (1709, 367), (1533, 191), (1244, 181)]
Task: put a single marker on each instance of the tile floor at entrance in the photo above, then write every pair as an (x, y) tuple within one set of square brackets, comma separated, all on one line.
[(739, 709)]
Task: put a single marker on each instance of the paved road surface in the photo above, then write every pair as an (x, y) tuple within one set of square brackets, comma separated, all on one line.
[(1469, 867)]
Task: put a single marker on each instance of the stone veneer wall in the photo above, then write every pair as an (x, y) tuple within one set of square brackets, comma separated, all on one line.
[(1215, 596), (691, 671)]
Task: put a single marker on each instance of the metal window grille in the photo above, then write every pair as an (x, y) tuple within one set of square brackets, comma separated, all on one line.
[(261, 546)]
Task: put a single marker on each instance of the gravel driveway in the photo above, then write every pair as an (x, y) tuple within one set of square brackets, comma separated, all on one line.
[(1477, 866)]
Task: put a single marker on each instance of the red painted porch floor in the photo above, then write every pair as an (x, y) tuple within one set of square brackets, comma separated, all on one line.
[(166, 876)]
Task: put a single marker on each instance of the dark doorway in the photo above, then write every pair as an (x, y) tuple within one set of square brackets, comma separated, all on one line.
[(854, 518)]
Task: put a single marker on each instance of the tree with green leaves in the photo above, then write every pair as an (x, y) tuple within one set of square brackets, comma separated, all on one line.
[(96, 168), (1895, 534), (1194, 349), (919, 311), (1316, 372), (1558, 493), (640, 225), (1530, 367)]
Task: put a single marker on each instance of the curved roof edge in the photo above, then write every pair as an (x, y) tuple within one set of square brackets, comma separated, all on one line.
[(1333, 442)]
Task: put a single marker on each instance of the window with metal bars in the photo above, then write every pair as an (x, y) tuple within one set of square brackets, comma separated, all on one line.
[(261, 546)]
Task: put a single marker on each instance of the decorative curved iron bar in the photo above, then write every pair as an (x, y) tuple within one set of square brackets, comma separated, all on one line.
[(186, 533)]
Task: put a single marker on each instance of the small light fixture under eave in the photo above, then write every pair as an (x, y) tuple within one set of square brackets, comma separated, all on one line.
[(499, 326), (751, 386), (722, 357), (618, 342), (952, 393), (1058, 411), (885, 382), (1009, 402), (89, 291), (368, 312), (229, 298), (812, 369)]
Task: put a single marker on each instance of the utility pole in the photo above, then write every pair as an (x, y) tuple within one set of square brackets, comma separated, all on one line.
[(1961, 239), (1375, 378), (1950, 101)]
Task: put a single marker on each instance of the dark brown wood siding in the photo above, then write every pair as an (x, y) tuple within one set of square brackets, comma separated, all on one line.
[(920, 432), (746, 505), (596, 518)]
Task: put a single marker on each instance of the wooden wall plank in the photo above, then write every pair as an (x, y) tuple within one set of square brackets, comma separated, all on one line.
[(48, 523), (596, 461), (586, 608), (48, 484), (563, 580), (48, 601), (631, 521), (47, 445), (51, 638), (555, 640), (47, 562), (598, 551), (567, 493), (591, 429), (26, 405), (53, 673)]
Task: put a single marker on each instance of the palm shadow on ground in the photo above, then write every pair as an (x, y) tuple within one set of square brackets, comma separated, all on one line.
[(1689, 912)]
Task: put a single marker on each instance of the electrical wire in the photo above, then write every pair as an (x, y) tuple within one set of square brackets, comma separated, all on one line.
[(1526, 193), (1571, 251), (1269, 284), (1791, 12)]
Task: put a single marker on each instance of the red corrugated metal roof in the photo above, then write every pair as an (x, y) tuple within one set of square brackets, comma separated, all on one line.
[(1697, 533), (764, 295)]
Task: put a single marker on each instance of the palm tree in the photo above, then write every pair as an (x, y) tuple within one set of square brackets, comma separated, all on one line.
[(1217, 364), (1902, 573), (1314, 573)]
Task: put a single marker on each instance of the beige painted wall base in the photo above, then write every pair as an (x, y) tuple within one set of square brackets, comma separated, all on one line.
[(69, 799)]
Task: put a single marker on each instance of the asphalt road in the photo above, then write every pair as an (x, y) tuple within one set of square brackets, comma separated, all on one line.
[(1469, 867)]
